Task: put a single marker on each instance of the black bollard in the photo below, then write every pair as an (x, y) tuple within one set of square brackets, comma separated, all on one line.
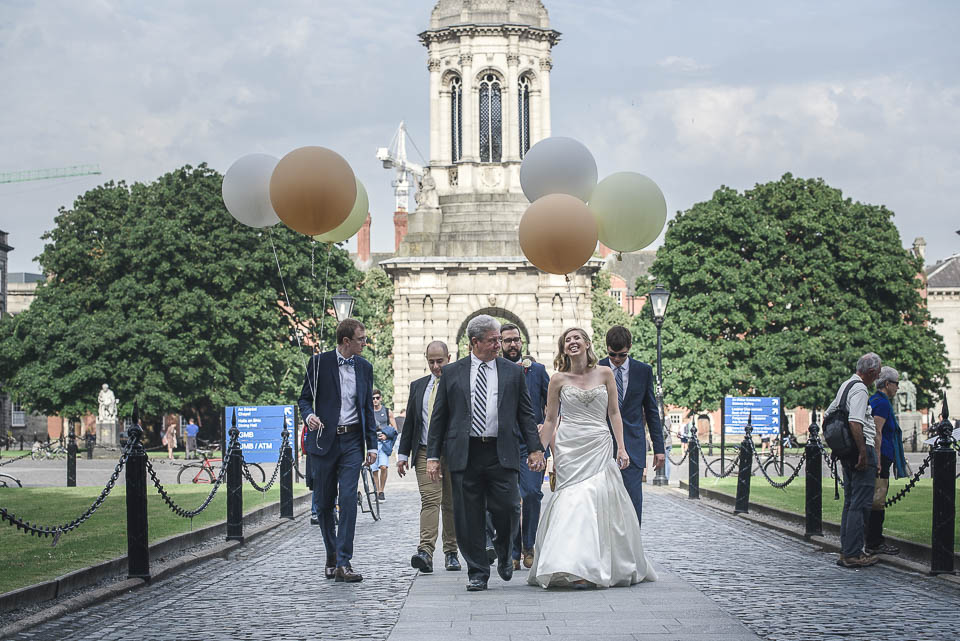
[(693, 465), (71, 457), (944, 497), (21, 442), (814, 463), (746, 462), (235, 486), (286, 476), (138, 540)]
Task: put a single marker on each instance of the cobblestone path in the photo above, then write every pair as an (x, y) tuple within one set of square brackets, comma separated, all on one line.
[(786, 590)]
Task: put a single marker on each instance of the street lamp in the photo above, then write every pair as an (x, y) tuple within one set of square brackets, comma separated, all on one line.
[(659, 297), (343, 305)]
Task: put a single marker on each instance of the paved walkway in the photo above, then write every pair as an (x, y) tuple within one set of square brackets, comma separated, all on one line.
[(721, 578)]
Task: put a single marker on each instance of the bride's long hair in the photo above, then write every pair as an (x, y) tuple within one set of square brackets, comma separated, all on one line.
[(562, 362)]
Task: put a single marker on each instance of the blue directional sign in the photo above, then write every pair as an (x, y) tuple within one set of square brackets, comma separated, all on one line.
[(763, 412), (261, 430)]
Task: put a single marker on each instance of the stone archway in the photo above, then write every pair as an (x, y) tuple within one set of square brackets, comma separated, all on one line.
[(496, 312)]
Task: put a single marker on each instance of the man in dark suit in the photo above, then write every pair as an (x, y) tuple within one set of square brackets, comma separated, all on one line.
[(638, 407), (435, 496), (531, 495), (337, 406), (481, 412)]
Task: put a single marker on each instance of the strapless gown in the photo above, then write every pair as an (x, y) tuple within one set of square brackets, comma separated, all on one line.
[(589, 528)]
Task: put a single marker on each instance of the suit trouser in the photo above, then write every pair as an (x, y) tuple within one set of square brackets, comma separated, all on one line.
[(336, 475), (436, 497), (531, 496), (484, 485), (633, 481)]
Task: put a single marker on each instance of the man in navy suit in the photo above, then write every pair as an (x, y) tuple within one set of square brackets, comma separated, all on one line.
[(337, 406), (530, 482), (638, 407)]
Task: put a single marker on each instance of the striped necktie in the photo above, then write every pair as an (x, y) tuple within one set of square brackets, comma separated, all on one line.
[(480, 401), (618, 374)]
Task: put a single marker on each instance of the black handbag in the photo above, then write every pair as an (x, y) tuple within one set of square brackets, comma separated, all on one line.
[(836, 427)]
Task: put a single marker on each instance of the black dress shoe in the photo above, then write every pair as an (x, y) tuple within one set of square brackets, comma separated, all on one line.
[(314, 520), (422, 561), (330, 571), (476, 585), (346, 574), (452, 563), (505, 569)]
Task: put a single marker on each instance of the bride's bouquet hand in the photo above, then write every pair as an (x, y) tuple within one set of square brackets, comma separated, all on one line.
[(623, 461)]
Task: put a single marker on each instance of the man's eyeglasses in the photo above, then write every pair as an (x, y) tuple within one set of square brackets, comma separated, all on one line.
[(618, 354), (376, 398)]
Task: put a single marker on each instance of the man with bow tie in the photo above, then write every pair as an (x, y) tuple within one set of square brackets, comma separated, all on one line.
[(337, 407)]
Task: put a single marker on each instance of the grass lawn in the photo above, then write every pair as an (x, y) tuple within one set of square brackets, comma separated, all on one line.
[(28, 559), (909, 518)]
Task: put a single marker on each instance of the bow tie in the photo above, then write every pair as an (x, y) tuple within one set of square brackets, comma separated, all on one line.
[(341, 361)]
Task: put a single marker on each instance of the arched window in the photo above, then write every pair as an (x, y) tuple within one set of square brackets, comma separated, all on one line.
[(491, 119), (456, 120), (523, 115)]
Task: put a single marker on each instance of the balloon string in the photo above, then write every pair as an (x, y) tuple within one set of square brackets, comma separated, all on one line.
[(323, 310), (286, 296), (576, 309)]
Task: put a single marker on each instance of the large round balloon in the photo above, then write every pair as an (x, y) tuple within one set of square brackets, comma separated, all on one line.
[(353, 223), (630, 211), (558, 233), (246, 190), (558, 165), (313, 190)]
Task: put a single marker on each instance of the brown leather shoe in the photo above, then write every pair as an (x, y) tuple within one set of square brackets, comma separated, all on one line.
[(346, 574), (516, 564), (861, 561), (528, 558)]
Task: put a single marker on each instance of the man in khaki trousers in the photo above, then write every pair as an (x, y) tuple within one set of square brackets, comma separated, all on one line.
[(436, 497)]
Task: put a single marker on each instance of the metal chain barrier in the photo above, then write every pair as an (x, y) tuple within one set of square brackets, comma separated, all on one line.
[(680, 462), (14, 460), (276, 470), (176, 509), (909, 486), (56, 531), (779, 484), (831, 464), (723, 475)]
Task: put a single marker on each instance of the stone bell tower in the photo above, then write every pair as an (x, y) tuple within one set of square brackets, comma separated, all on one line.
[(489, 63)]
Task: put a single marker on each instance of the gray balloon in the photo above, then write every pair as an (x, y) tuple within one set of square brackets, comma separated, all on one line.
[(558, 165)]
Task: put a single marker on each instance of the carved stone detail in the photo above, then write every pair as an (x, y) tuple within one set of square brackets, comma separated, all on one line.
[(433, 64), (546, 64)]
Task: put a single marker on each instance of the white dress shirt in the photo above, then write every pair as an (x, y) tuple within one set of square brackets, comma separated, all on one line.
[(492, 425), (424, 416), (625, 368), (348, 394)]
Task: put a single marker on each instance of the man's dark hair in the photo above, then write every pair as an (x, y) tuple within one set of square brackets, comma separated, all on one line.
[(509, 326), (618, 337), (376, 392), (347, 328)]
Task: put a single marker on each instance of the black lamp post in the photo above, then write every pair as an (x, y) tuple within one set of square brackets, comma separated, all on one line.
[(659, 297), (343, 305)]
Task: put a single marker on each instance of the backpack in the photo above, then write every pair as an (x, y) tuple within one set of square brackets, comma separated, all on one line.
[(836, 427)]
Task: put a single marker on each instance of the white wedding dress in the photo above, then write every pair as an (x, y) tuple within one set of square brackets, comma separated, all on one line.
[(589, 528)]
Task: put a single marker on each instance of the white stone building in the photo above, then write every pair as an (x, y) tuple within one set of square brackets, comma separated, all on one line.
[(489, 63), (943, 301)]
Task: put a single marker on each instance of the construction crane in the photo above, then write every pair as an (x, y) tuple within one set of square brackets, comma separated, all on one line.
[(395, 157), (47, 174)]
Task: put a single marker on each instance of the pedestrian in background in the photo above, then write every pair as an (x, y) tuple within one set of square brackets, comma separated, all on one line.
[(859, 471), (191, 431), (170, 438), (386, 437), (889, 443)]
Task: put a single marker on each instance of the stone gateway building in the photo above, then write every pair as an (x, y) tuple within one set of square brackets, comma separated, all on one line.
[(489, 63)]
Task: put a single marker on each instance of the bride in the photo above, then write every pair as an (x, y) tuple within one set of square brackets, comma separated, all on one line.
[(588, 534)]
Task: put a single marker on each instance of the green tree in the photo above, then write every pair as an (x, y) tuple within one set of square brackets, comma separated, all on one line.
[(374, 308), (606, 311), (777, 291), (158, 291)]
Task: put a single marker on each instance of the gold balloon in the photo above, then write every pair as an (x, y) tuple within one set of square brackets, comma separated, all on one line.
[(313, 190), (558, 233)]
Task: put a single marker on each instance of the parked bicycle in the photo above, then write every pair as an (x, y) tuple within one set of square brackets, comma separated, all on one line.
[(370, 492), (8, 481), (769, 461), (41, 451), (208, 469)]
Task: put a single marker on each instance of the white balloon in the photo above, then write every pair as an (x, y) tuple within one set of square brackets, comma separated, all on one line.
[(246, 190), (558, 165)]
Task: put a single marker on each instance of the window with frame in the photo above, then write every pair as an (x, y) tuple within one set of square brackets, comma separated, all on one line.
[(19, 416), (456, 119), (491, 119), (523, 115)]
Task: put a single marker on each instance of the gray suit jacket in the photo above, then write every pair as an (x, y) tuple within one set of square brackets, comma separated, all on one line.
[(450, 423)]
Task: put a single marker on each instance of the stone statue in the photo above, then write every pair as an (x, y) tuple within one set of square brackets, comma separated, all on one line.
[(906, 395), (427, 197), (108, 405)]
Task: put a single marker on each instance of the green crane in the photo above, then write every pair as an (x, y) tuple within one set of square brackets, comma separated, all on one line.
[(47, 174)]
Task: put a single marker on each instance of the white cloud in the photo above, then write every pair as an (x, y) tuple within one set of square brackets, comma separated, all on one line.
[(681, 64)]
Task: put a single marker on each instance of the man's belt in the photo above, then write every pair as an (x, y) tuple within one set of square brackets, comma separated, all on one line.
[(346, 429), (483, 439)]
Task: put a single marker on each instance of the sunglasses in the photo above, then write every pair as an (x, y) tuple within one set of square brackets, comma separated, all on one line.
[(617, 354)]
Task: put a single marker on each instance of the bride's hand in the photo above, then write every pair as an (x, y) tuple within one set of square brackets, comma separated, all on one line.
[(623, 461)]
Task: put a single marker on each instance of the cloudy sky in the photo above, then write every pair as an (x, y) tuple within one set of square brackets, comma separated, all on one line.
[(865, 94)]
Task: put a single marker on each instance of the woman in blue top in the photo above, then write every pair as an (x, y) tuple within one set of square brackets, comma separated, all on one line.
[(890, 447), (386, 437)]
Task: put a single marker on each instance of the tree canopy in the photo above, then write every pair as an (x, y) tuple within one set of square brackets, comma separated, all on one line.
[(158, 291), (778, 290)]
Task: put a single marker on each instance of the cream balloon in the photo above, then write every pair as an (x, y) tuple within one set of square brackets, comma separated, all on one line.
[(630, 211), (558, 233), (558, 165), (313, 189), (354, 221), (246, 190)]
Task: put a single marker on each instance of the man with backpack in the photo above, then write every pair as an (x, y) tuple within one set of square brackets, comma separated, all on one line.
[(859, 467)]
